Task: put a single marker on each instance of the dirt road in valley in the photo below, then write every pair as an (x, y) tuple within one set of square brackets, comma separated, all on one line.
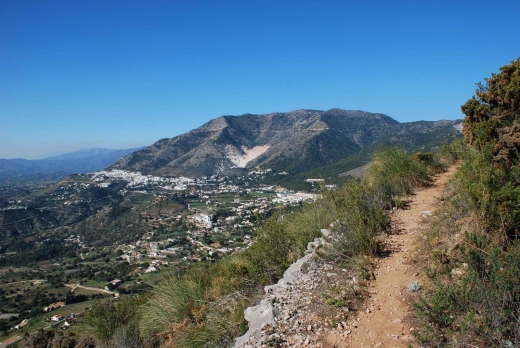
[(10, 340), (74, 286)]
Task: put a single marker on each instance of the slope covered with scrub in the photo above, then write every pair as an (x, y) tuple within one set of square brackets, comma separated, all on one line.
[(472, 251)]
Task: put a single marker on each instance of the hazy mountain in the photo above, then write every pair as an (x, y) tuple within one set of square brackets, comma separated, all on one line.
[(56, 167), (297, 141), (95, 151)]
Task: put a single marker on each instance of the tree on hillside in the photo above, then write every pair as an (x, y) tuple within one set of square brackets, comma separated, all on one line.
[(493, 115)]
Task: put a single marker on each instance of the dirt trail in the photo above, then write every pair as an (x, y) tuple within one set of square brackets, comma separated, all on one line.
[(74, 286), (381, 322)]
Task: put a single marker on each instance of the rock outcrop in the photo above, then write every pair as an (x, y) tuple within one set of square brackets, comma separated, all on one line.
[(306, 304)]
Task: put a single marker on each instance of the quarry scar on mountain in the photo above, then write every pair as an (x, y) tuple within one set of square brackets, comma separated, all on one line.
[(241, 160)]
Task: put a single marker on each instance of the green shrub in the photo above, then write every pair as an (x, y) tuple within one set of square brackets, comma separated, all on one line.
[(358, 216), (55, 338), (396, 173), (493, 116), (492, 193), (431, 161), (273, 250), (175, 299), (452, 152)]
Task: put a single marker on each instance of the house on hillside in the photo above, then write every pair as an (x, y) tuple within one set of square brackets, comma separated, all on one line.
[(53, 306), (151, 269), (112, 284), (137, 255), (22, 324), (57, 318)]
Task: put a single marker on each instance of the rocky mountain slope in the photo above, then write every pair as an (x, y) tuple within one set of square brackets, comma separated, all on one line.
[(296, 142)]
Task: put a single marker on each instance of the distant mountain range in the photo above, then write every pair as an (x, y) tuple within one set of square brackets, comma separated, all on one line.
[(56, 167), (297, 142), (93, 153)]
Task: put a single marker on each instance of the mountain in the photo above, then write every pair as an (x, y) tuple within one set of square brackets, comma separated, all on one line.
[(297, 142), (56, 167), (95, 151)]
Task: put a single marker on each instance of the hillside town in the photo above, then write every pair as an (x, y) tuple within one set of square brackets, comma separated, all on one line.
[(116, 232)]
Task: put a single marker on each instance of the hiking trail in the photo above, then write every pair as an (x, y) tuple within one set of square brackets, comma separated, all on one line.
[(381, 322)]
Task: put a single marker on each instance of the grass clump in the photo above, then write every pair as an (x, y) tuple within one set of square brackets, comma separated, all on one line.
[(113, 324), (175, 300), (358, 218), (396, 173)]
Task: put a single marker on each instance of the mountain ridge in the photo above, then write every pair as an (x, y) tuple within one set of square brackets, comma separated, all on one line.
[(296, 141), (57, 167)]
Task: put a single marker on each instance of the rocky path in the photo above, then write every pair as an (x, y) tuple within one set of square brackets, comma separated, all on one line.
[(382, 323), (307, 307)]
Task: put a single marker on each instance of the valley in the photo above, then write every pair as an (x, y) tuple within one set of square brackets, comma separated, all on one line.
[(116, 232), (197, 199)]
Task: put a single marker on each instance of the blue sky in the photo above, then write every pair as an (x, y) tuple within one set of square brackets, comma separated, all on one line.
[(118, 74)]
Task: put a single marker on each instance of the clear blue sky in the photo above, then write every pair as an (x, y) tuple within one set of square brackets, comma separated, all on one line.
[(118, 74)]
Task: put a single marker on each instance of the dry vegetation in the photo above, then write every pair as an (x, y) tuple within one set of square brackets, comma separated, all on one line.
[(473, 253)]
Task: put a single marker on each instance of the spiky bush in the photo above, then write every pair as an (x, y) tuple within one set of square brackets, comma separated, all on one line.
[(358, 218), (396, 173)]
